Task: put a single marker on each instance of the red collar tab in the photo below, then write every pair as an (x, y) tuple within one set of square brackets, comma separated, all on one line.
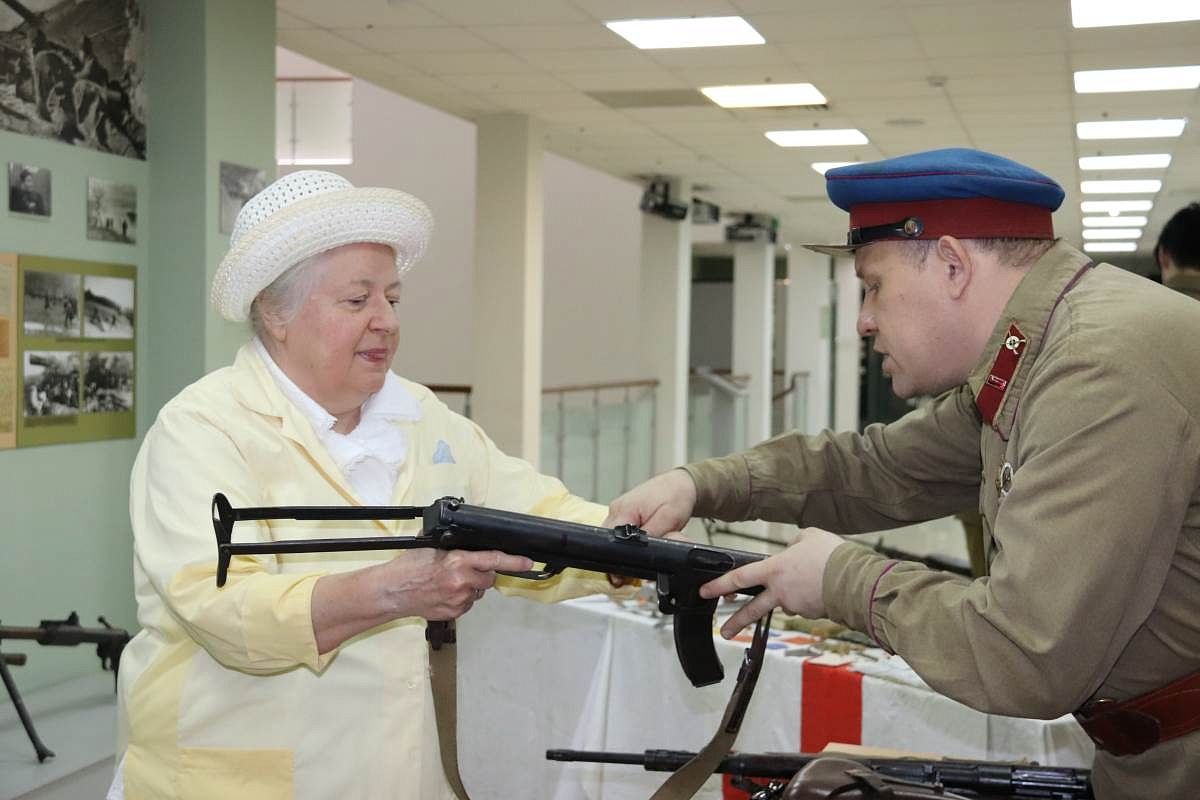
[(1005, 364), (966, 218)]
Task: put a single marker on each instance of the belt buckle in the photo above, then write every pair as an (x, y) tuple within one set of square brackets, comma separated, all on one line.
[(1118, 730)]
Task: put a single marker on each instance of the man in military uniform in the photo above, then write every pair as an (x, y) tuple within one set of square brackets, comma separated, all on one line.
[(1068, 410), (1178, 251)]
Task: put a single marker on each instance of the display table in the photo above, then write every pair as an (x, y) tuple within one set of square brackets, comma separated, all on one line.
[(589, 675)]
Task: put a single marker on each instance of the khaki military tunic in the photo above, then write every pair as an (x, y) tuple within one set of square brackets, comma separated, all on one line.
[(1088, 480), (1186, 281)]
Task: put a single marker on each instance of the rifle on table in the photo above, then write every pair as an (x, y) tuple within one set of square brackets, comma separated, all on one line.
[(978, 778), (110, 643), (678, 568)]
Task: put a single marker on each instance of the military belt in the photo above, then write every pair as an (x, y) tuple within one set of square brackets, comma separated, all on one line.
[(1132, 726)]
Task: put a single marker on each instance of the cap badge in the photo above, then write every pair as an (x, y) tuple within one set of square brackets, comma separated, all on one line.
[(913, 227)]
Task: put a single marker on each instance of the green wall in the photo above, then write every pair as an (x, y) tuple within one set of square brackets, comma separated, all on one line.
[(65, 542)]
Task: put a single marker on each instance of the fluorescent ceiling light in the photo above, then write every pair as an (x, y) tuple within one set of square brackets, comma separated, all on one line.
[(1112, 233), (765, 95), (1143, 161), (1105, 13), (1120, 187), (817, 137), (1150, 79), (1110, 247), (661, 34), (824, 166), (1130, 129), (1114, 222), (1114, 206)]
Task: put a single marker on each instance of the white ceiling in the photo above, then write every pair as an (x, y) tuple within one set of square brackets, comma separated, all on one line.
[(911, 74)]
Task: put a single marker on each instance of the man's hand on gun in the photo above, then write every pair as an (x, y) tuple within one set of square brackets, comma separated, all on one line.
[(660, 506), (794, 579)]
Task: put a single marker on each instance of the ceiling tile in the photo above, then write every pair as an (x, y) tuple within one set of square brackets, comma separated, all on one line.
[(590, 59), (609, 81), (399, 40), (360, 13), (989, 43), (590, 35), (737, 56), (490, 12), (507, 82), (316, 42), (466, 63)]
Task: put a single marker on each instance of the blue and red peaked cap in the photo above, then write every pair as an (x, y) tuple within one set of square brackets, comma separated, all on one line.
[(956, 191)]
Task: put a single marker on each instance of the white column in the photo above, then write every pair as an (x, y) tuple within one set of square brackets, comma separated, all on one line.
[(848, 347), (753, 323), (666, 309), (507, 354), (808, 335)]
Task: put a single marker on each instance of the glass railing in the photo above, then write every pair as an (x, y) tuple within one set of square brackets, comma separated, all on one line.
[(598, 439), (718, 414)]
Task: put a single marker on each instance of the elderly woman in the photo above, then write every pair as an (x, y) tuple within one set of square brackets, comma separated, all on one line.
[(307, 675)]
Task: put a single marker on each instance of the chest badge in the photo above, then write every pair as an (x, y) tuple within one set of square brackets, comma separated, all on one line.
[(1004, 480)]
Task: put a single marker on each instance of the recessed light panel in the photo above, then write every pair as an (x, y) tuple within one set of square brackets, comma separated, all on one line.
[(1149, 79), (1120, 187), (765, 95), (1130, 129), (1114, 222), (817, 137), (1142, 161), (1110, 247), (1106, 13), (1114, 206), (670, 33)]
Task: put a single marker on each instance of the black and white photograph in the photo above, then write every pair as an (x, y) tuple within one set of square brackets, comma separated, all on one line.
[(51, 306), (111, 211), (72, 70), (107, 307), (108, 382), (28, 189), (51, 383), (238, 185)]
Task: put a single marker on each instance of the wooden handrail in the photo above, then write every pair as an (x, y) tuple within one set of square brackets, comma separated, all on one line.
[(592, 387), (449, 388)]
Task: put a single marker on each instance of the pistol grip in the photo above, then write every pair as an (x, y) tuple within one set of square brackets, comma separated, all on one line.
[(694, 643)]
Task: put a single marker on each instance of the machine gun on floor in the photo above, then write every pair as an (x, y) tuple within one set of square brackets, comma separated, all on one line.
[(110, 643), (970, 778)]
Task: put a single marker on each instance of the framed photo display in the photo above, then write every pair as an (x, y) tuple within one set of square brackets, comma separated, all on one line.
[(74, 351)]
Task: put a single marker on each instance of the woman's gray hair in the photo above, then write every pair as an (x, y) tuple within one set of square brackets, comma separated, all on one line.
[(285, 296)]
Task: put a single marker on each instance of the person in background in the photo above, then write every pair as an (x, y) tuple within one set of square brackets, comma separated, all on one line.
[(24, 198), (1178, 251), (1066, 410), (307, 675)]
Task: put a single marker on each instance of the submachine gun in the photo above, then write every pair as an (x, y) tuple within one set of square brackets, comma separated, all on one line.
[(110, 643), (962, 778), (678, 568)]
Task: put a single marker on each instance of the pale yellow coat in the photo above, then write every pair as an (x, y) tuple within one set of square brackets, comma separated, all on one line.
[(222, 693)]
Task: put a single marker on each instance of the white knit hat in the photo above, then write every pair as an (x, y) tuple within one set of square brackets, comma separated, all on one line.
[(305, 213)]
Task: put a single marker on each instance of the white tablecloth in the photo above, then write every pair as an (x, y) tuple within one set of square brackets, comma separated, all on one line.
[(588, 675)]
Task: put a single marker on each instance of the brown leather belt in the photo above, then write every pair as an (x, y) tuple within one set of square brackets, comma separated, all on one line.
[(1133, 726)]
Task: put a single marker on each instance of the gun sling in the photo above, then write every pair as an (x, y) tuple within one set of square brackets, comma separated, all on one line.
[(1135, 725)]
